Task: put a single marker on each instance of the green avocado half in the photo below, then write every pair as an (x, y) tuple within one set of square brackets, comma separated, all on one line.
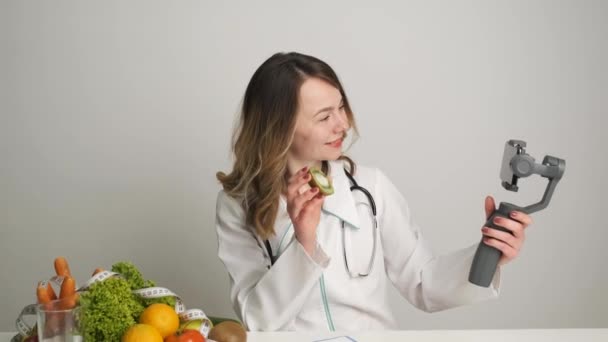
[(319, 180)]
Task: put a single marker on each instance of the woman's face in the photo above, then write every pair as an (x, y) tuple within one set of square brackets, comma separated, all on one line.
[(321, 123)]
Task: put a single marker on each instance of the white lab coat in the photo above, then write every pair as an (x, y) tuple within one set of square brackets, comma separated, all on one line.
[(302, 292)]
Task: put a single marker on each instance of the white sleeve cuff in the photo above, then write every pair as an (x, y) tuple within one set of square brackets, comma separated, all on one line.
[(496, 280), (318, 255)]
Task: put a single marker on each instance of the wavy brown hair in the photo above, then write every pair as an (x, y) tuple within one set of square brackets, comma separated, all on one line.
[(265, 132)]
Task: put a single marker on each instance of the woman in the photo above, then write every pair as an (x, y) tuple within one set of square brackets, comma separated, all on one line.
[(299, 260)]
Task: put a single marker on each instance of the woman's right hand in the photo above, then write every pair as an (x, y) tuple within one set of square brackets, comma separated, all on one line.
[(304, 208)]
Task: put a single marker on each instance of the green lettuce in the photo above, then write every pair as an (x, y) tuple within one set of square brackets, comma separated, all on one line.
[(109, 308), (137, 281)]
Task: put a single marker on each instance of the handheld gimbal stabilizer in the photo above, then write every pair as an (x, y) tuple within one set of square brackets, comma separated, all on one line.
[(516, 164)]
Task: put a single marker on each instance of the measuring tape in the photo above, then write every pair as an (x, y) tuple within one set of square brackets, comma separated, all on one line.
[(24, 329)]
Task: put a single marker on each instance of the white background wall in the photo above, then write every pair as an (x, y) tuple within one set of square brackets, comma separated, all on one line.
[(115, 116)]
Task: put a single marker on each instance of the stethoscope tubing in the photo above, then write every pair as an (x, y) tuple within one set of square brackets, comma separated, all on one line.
[(354, 186)]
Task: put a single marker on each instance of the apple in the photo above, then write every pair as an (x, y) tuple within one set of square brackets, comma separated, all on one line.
[(188, 335), (192, 325)]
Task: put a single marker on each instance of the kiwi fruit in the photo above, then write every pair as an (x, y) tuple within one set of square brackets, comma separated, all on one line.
[(319, 180), (228, 331)]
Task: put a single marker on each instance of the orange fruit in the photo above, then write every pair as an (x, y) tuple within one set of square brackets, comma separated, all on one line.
[(142, 333), (162, 317)]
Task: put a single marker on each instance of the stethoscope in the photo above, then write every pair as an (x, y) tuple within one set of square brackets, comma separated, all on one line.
[(372, 205)]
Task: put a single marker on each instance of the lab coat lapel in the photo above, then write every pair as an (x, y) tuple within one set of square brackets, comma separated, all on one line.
[(283, 228), (341, 204)]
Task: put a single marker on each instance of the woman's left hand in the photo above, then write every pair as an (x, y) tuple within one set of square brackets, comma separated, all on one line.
[(508, 244)]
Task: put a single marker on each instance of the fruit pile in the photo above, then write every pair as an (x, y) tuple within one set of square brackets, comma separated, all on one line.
[(160, 322), (120, 305)]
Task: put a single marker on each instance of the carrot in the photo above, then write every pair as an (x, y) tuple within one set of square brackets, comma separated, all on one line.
[(69, 302), (61, 267), (98, 270), (50, 290), (68, 287), (68, 299), (42, 293)]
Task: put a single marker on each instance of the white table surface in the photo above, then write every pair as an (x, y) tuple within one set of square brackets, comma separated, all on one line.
[(512, 335)]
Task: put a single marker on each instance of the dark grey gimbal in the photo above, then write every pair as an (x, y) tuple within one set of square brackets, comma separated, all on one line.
[(516, 164)]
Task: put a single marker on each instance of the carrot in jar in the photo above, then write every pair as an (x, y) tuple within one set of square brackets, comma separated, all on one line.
[(61, 267)]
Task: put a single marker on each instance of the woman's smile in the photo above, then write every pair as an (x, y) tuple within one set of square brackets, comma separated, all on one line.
[(336, 143)]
